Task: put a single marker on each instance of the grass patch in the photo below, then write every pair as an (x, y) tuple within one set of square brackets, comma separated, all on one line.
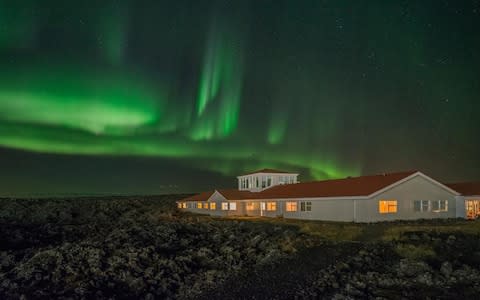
[(332, 231), (383, 231), (420, 252), (396, 230)]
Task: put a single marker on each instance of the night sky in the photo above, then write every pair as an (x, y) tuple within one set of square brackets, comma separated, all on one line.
[(149, 97)]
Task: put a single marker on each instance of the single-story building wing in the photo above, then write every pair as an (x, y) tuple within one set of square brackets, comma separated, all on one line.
[(384, 197)]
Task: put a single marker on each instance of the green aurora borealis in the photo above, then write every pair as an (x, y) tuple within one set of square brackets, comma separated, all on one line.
[(192, 93)]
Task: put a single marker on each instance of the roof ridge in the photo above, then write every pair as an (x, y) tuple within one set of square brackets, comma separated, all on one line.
[(352, 177), (268, 170), (463, 182)]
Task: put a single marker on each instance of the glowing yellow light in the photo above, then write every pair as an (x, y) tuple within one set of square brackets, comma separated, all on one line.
[(387, 206)]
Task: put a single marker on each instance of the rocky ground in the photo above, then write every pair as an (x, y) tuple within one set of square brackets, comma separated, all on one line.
[(419, 266), (124, 248)]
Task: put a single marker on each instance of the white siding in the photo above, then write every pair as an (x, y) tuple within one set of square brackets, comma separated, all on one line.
[(324, 209), (356, 209), (416, 188)]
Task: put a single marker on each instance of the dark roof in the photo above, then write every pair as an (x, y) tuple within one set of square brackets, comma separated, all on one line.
[(466, 188), (268, 171), (353, 186), (346, 187), (200, 197)]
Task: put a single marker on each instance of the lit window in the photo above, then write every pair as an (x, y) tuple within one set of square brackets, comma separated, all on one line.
[(387, 206), (199, 205), (184, 205), (213, 206), (253, 206), (233, 206), (271, 206), (205, 205), (420, 205), (291, 206), (440, 205), (306, 206), (224, 205), (179, 205)]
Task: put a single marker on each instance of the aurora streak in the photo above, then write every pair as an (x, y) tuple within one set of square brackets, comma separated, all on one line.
[(328, 89)]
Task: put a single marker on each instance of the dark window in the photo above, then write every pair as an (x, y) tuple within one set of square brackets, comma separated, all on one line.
[(305, 206)]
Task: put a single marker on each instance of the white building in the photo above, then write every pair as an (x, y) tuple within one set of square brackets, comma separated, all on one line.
[(386, 197), (470, 198)]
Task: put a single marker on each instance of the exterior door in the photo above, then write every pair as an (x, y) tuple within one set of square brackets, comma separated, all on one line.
[(262, 208)]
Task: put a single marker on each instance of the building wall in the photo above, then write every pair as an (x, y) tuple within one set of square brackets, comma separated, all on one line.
[(461, 206), (218, 199), (416, 188), (355, 209), (263, 212), (322, 209), (195, 209)]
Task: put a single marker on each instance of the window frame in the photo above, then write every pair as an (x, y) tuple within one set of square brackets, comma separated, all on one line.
[(306, 206), (290, 205), (252, 205), (232, 205), (271, 206), (423, 205), (439, 207), (224, 205), (213, 206), (389, 206)]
